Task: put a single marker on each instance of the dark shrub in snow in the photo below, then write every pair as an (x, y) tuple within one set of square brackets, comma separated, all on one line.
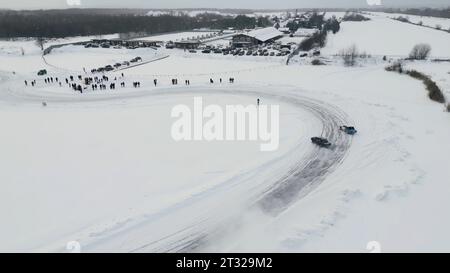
[(434, 92), (354, 17), (420, 52), (402, 19), (317, 62), (319, 39)]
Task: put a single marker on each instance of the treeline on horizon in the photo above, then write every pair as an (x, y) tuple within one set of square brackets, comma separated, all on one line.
[(60, 23)]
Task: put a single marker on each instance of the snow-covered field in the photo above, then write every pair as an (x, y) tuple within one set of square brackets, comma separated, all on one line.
[(101, 167), (27, 46), (336, 14), (426, 20), (383, 36)]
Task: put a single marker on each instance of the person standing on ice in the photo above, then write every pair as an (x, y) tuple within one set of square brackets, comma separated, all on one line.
[(257, 102), (26, 83), (155, 81)]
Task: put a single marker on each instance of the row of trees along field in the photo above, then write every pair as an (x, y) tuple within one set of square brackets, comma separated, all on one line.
[(444, 13), (57, 24)]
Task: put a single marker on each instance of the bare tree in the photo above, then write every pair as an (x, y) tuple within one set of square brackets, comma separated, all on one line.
[(40, 41), (349, 55), (420, 52)]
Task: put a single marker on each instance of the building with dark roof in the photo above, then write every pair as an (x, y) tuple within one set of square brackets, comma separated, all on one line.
[(188, 44)]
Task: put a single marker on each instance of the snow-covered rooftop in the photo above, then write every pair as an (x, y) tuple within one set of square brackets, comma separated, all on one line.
[(305, 32), (264, 34)]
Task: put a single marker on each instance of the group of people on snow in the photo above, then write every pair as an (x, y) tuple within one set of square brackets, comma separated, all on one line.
[(99, 82)]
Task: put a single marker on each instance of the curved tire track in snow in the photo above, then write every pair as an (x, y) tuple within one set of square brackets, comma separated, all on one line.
[(302, 177), (317, 165)]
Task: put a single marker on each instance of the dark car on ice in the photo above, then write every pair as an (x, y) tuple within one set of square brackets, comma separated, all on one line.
[(135, 60), (350, 130), (320, 141), (42, 72)]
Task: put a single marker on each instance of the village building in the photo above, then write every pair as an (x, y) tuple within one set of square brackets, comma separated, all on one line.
[(188, 44), (256, 37)]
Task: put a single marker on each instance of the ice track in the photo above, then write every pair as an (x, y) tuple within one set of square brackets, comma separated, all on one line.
[(303, 176), (271, 196)]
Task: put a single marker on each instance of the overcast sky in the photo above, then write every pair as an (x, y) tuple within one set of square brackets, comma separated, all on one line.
[(250, 4)]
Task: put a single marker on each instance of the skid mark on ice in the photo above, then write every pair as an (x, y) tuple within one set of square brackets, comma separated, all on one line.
[(303, 175)]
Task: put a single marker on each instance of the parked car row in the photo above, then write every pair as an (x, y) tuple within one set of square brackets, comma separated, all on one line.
[(107, 45), (119, 44), (116, 65), (243, 51)]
